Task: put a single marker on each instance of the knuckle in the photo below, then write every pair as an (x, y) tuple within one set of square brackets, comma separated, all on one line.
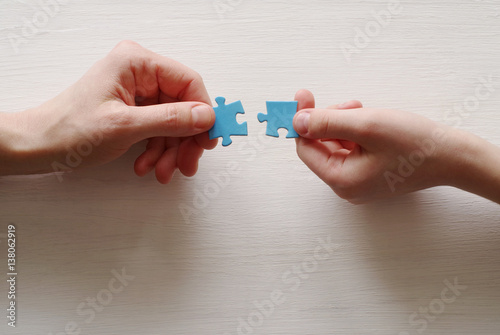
[(321, 124), (124, 51), (352, 190), (372, 124), (343, 193), (173, 117), (126, 45), (349, 194), (196, 80), (115, 121), (357, 201), (196, 76)]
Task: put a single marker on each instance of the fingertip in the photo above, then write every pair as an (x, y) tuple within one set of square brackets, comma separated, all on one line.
[(140, 168), (212, 144), (205, 142), (191, 171), (164, 174), (305, 99), (145, 163), (188, 156), (303, 94), (164, 179), (166, 166)]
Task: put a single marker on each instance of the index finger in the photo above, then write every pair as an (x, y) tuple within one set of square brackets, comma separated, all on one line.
[(152, 73)]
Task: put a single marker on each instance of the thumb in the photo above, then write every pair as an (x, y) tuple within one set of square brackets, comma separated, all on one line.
[(179, 119), (328, 124)]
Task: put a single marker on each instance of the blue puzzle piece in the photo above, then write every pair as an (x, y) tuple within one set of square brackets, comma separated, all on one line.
[(225, 121), (279, 115)]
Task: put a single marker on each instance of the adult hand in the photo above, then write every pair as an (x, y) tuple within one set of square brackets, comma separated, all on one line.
[(131, 95)]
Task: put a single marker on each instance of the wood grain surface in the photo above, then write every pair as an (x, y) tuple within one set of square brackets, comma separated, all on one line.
[(255, 243)]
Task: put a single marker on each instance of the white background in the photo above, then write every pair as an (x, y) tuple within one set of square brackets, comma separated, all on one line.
[(200, 273)]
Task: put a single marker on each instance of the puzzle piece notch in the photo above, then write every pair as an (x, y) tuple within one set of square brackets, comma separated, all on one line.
[(279, 115), (225, 121)]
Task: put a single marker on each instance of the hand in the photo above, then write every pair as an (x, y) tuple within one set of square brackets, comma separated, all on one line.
[(131, 95), (365, 154)]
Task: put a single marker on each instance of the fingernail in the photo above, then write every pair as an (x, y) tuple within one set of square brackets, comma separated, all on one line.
[(302, 123), (202, 115)]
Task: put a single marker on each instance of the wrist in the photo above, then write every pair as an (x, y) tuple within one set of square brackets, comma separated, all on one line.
[(473, 164), (10, 137), (20, 149)]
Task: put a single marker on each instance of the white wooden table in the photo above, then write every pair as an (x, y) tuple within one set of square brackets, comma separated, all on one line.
[(269, 249)]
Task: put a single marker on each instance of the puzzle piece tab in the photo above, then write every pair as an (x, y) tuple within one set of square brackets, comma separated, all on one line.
[(225, 121), (279, 115)]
